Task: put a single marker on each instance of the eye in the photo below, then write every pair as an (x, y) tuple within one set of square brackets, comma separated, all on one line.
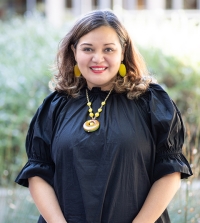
[(87, 49), (109, 49)]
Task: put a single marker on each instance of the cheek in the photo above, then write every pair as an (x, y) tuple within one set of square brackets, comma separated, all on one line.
[(83, 59), (115, 62)]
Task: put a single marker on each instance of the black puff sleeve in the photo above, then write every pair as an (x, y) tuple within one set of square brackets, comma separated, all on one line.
[(168, 132), (38, 142)]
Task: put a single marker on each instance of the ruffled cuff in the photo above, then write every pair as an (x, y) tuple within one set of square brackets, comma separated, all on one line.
[(171, 163), (36, 168)]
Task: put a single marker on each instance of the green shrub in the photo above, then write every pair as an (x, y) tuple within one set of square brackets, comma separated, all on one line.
[(170, 46), (181, 80), (28, 48)]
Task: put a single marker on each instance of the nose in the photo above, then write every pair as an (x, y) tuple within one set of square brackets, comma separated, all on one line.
[(98, 57)]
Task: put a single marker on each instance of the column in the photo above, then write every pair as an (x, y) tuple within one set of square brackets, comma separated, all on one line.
[(155, 4), (177, 4), (118, 3), (198, 4), (30, 6), (130, 4), (104, 4), (76, 7), (55, 11), (86, 6)]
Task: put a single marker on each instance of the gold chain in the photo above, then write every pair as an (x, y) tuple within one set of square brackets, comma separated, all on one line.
[(89, 104)]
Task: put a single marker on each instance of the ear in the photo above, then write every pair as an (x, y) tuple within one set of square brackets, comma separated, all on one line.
[(123, 51), (74, 51), (122, 56)]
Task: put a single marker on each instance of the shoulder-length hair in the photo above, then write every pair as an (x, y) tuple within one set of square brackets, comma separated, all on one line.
[(136, 80)]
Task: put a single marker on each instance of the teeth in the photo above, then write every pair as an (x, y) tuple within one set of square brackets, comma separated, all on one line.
[(98, 68)]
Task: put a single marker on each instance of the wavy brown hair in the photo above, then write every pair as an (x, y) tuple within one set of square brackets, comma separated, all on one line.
[(134, 83)]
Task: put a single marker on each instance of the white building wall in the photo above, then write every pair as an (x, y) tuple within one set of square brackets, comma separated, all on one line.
[(55, 10)]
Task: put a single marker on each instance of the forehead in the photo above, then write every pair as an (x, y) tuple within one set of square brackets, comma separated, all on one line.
[(99, 35)]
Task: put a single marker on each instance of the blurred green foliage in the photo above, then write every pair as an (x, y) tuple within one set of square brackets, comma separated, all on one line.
[(28, 49), (181, 79)]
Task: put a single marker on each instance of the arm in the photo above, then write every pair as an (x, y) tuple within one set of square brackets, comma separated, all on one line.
[(160, 194), (46, 200)]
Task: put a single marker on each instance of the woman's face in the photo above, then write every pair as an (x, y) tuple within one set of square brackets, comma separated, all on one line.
[(98, 55)]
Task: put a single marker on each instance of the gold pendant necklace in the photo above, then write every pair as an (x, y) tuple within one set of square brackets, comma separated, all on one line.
[(92, 124)]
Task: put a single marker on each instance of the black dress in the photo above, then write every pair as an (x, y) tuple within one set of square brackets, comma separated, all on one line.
[(105, 176)]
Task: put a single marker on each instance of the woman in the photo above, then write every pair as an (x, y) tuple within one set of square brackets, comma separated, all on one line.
[(105, 146)]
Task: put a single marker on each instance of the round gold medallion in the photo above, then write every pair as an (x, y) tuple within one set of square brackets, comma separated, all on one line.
[(91, 125)]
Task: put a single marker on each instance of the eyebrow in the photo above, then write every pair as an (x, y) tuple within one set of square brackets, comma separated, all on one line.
[(89, 44)]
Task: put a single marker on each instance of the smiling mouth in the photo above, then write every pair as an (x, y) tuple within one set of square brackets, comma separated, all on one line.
[(98, 68)]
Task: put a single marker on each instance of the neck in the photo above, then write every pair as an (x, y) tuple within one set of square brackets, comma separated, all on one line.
[(103, 88)]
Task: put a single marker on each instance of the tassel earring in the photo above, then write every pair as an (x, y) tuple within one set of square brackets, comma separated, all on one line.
[(77, 72), (122, 70)]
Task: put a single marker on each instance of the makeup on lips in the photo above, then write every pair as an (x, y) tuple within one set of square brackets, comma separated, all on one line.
[(98, 69)]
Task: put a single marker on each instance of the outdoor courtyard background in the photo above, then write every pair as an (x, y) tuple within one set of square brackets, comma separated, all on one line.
[(169, 42)]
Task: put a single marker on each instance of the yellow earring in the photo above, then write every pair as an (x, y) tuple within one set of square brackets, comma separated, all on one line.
[(122, 70), (77, 72)]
